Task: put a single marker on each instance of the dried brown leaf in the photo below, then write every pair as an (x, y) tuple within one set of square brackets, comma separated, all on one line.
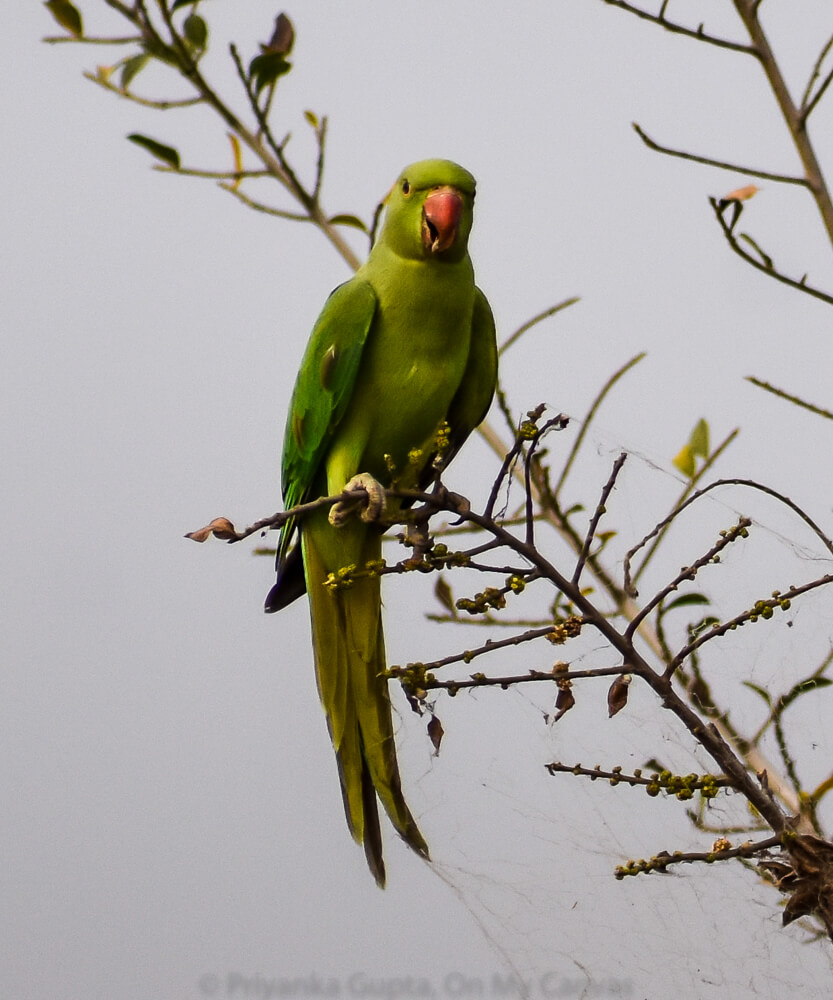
[(741, 193), (617, 696), (220, 527), (436, 732), (564, 701)]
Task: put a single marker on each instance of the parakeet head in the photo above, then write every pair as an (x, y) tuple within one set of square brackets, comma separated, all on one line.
[(429, 211)]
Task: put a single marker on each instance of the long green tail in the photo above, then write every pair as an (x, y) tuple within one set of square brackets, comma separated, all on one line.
[(349, 658)]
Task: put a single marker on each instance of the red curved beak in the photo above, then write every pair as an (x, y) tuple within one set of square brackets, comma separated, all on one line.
[(441, 218)]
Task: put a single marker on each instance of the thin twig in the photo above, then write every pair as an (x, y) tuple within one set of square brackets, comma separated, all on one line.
[(678, 29), (743, 618), (794, 118), (600, 510), (488, 647), (689, 487), (145, 102), (482, 680), (790, 398), (662, 861), (751, 484), (591, 413), (734, 167), (690, 572), (258, 206), (88, 40), (618, 777), (814, 75), (800, 286), (219, 175), (536, 319)]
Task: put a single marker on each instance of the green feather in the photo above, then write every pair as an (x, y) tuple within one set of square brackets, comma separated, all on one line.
[(408, 343)]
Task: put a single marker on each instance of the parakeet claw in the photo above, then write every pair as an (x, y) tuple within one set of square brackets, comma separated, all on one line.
[(372, 504)]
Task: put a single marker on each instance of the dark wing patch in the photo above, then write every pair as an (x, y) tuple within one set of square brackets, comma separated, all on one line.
[(328, 367)]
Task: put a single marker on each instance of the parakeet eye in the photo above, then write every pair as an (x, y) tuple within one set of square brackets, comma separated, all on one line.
[(406, 187)]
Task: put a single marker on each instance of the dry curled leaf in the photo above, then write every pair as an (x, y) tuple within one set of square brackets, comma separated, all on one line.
[(436, 732), (741, 193), (617, 696), (808, 879), (565, 700), (220, 527)]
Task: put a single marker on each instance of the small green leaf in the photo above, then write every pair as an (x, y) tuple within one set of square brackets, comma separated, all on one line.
[(265, 69), (165, 153), (759, 691), (686, 600), (312, 118), (182, 3), (810, 684), (684, 461), (765, 258), (705, 623), (196, 31), (348, 220), (131, 67), (442, 591), (67, 15), (699, 440)]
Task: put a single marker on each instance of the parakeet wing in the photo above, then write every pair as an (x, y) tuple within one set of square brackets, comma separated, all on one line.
[(323, 390)]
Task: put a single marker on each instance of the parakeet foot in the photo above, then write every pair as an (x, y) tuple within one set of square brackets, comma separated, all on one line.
[(372, 504)]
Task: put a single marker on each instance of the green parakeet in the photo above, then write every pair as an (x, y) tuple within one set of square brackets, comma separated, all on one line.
[(407, 343)]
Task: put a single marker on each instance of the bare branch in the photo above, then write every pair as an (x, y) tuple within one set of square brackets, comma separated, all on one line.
[(591, 413), (220, 175), (678, 29), (662, 861), (820, 411), (145, 102), (751, 484), (760, 265), (806, 104), (782, 600), (88, 40), (258, 206), (794, 118), (536, 319), (488, 647), (430, 683), (723, 165), (690, 572), (597, 516), (668, 782), (707, 464)]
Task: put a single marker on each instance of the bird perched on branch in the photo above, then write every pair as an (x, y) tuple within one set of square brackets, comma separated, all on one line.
[(399, 351)]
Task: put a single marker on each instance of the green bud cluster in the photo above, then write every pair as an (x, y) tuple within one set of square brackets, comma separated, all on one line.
[(491, 597)]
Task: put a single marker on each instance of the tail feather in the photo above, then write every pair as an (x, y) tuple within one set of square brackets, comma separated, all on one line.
[(350, 660)]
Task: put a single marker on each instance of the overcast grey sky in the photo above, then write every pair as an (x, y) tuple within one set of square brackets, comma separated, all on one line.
[(171, 821)]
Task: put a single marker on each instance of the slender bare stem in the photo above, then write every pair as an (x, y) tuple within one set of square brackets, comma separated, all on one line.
[(698, 33), (722, 164)]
